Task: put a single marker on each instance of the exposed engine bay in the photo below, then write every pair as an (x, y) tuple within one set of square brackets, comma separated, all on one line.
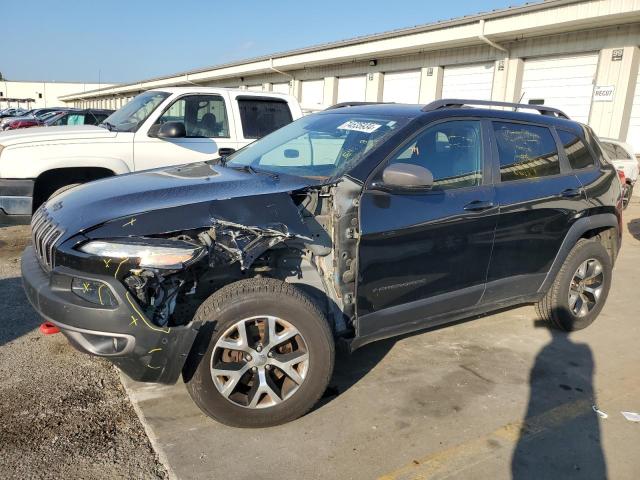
[(322, 260)]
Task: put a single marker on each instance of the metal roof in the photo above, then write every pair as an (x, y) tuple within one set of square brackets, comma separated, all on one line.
[(441, 24)]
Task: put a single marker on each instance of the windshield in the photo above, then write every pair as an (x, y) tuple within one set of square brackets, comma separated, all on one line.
[(134, 113), (317, 146)]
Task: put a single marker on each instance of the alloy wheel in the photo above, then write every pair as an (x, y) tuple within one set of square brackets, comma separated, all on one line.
[(259, 362), (586, 287)]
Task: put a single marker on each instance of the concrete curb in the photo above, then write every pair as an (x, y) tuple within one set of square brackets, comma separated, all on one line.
[(153, 439)]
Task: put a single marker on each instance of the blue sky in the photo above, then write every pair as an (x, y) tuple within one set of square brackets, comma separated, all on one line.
[(127, 40)]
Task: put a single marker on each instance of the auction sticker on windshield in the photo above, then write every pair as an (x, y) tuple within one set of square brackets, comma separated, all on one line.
[(356, 126)]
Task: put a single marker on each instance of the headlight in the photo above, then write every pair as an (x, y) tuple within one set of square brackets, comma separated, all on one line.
[(164, 254)]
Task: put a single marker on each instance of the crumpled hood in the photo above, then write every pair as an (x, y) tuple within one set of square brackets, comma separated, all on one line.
[(171, 199), (53, 134)]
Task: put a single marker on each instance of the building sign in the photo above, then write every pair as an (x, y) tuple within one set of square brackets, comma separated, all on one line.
[(604, 93), (616, 55)]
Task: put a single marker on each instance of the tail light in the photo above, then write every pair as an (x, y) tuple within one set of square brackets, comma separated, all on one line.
[(623, 179)]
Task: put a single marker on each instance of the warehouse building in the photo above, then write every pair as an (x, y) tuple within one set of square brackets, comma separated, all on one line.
[(29, 95), (581, 56)]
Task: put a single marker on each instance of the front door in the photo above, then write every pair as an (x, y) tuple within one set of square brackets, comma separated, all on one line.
[(426, 253), (208, 128)]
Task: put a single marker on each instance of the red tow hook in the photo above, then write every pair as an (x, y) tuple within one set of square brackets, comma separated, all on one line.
[(48, 328)]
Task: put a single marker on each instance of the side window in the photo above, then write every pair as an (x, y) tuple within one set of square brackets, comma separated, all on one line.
[(204, 116), (75, 119), (577, 152), (525, 151), (452, 151), (260, 117)]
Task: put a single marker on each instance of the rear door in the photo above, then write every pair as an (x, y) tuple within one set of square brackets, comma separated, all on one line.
[(259, 116), (426, 253), (539, 198)]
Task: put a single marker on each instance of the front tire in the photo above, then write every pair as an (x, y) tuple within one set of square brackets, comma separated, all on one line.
[(264, 355), (580, 289)]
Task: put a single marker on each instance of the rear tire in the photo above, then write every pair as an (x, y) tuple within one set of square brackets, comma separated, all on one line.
[(243, 398), (573, 302)]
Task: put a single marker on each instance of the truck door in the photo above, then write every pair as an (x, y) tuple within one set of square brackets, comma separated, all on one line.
[(209, 131)]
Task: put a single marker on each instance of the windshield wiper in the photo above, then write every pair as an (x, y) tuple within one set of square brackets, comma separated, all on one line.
[(251, 169), (109, 126)]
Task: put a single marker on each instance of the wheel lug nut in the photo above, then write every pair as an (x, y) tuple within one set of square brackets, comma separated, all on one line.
[(259, 348), (248, 358), (270, 354), (268, 367), (254, 369)]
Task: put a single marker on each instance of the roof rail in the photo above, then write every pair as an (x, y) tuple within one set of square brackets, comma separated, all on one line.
[(458, 103), (352, 104)]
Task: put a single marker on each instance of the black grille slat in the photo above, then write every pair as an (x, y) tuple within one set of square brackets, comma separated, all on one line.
[(44, 234)]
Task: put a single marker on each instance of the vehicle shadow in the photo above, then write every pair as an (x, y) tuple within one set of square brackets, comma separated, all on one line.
[(18, 318), (634, 228), (560, 433)]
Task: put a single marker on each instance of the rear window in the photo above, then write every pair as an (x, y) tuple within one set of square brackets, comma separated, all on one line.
[(261, 116), (525, 151), (577, 152), (615, 152)]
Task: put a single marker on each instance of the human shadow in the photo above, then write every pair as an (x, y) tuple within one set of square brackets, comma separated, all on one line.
[(560, 434)]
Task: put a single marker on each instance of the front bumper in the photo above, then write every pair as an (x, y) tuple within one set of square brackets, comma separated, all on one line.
[(16, 201), (122, 334)]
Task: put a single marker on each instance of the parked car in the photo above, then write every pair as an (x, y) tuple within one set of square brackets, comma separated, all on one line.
[(34, 119), (12, 112), (345, 226), (623, 157), (157, 128), (88, 116)]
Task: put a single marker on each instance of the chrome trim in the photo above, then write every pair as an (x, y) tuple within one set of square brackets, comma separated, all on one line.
[(45, 233)]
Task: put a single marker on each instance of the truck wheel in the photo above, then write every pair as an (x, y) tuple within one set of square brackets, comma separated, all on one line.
[(263, 356), (580, 290)]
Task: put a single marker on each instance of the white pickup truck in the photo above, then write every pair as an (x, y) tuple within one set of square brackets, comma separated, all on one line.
[(168, 126)]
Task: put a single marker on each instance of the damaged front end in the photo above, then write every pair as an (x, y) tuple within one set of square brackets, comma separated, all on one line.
[(156, 281)]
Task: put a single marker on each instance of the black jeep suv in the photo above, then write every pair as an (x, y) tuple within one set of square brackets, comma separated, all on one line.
[(350, 225)]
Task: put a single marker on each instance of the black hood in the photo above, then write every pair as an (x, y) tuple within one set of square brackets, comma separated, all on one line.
[(175, 198)]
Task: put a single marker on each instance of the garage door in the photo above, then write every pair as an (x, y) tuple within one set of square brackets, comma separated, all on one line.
[(633, 137), (312, 95), (281, 87), (468, 81), (562, 82), (255, 88), (352, 89), (401, 87)]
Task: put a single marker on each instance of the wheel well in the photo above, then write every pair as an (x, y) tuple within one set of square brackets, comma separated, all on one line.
[(51, 180), (608, 237)]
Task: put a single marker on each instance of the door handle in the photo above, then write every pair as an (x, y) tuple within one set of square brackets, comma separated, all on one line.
[(572, 192), (478, 206), (223, 152)]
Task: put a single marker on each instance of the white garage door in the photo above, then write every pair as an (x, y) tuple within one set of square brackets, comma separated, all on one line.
[(255, 88), (562, 82), (281, 87), (468, 81), (633, 136), (352, 89), (401, 87), (312, 95)]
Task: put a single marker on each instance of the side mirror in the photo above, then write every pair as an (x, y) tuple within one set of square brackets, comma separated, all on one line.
[(172, 130), (407, 176)]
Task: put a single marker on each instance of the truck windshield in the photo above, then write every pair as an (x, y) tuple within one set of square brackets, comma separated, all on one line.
[(318, 146), (133, 114)]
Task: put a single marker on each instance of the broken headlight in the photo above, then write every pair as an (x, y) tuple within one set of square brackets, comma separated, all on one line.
[(169, 254)]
